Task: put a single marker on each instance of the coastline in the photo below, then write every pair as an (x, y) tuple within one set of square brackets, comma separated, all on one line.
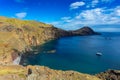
[(24, 36)]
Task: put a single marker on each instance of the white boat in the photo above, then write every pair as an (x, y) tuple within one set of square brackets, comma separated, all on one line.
[(99, 54)]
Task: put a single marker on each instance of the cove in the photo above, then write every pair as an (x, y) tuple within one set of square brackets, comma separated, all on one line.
[(78, 53)]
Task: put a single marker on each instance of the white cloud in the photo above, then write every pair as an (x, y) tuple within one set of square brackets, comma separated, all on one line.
[(97, 16), (76, 5), (66, 19), (94, 3), (21, 15), (117, 11), (90, 16)]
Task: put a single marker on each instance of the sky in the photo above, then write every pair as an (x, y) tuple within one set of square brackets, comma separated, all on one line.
[(101, 15)]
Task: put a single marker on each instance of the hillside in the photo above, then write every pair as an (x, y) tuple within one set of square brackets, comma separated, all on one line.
[(18, 36), (17, 72), (40, 73)]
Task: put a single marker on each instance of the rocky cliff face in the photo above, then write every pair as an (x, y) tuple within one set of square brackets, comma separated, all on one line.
[(17, 36), (109, 75)]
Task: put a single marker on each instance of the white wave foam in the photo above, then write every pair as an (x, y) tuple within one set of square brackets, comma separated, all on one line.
[(17, 60)]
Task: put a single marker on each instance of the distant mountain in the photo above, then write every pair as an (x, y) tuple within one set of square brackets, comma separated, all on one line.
[(84, 31)]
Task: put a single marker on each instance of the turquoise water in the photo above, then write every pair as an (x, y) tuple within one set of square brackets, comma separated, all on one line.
[(79, 53)]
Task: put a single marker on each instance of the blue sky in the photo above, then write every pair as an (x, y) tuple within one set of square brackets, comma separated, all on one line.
[(66, 14)]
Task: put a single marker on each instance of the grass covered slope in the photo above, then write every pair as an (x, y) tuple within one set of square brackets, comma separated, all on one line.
[(40, 73), (19, 35)]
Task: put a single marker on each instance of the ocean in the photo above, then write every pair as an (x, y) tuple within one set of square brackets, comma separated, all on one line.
[(78, 53)]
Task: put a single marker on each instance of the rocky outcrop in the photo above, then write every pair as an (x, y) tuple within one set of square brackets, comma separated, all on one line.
[(40, 73), (109, 75)]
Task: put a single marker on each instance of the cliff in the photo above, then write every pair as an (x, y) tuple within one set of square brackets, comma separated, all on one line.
[(18, 36)]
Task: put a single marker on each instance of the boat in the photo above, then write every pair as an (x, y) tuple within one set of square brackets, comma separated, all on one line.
[(99, 54)]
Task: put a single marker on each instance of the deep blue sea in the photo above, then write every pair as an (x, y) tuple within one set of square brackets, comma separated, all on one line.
[(78, 53)]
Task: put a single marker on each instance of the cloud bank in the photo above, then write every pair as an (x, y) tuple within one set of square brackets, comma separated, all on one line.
[(96, 16)]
